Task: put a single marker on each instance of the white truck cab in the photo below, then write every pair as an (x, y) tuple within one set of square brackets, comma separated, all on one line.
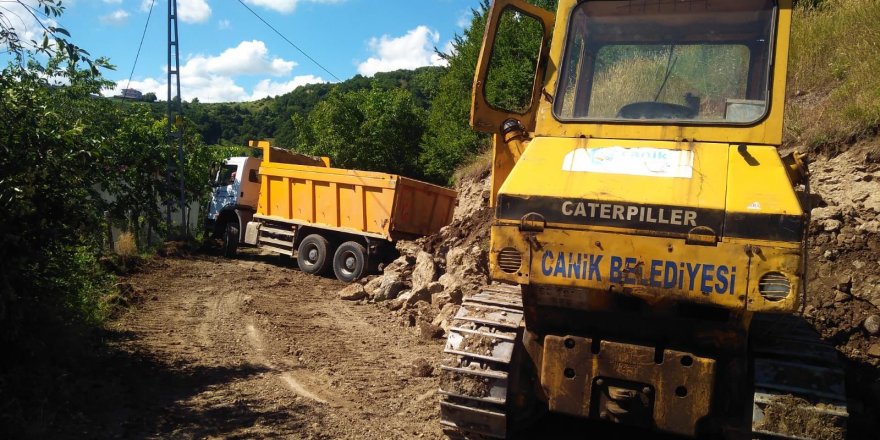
[(234, 199)]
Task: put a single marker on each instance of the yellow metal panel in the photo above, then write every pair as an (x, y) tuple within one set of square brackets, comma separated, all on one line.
[(421, 208), (378, 203), (278, 197), (655, 269), (348, 205), (301, 200), (325, 204), (544, 159), (357, 216), (330, 174), (758, 182)]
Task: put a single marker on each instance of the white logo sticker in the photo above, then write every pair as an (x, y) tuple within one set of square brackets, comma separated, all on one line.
[(641, 161)]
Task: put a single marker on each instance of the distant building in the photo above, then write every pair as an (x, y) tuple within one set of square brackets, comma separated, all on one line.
[(132, 94)]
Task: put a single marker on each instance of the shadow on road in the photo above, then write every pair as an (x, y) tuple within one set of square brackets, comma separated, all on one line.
[(97, 390)]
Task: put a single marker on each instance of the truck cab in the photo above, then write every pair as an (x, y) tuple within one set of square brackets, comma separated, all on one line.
[(234, 198)]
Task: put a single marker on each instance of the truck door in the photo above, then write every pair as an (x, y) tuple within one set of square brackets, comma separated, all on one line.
[(249, 190)]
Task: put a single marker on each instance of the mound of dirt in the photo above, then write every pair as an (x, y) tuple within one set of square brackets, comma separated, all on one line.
[(844, 254), (425, 286)]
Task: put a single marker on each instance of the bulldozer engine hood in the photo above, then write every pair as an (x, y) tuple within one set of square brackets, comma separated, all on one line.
[(657, 188)]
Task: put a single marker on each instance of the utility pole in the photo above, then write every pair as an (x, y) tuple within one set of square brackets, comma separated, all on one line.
[(174, 115)]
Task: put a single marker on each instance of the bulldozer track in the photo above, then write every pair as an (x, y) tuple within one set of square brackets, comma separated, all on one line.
[(475, 377), (799, 381)]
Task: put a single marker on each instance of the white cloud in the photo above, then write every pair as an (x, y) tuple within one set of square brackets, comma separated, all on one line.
[(117, 17), (212, 78), (193, 11), (189, 11), (113, 2), (285, 6), (415, 49), (224, 24), (464, 19), (248, 58), (267, 87)]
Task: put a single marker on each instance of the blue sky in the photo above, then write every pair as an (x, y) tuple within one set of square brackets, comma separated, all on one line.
[(227, 54)]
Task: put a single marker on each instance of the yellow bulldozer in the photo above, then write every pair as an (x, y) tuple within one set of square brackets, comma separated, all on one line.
[(649, 239)]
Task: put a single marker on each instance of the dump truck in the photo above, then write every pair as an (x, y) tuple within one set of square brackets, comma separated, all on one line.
[(328, 218), (648, 240)]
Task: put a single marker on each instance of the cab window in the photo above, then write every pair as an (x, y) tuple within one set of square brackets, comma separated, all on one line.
[(697, 61)]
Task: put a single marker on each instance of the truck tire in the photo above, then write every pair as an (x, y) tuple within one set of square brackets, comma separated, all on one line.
[(350, 261), (230, 239), (313, 254)]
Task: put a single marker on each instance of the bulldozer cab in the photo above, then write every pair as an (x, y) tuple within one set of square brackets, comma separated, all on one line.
[(640, 69), (653, 126)]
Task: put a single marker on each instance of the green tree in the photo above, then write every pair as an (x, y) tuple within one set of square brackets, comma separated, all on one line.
[(49, 164), (449, 140), (372, 129)]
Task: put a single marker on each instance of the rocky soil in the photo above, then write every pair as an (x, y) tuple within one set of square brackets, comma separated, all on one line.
[(843, 300)]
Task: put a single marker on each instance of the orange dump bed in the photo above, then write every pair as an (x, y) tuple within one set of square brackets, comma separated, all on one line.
[(361, 202)]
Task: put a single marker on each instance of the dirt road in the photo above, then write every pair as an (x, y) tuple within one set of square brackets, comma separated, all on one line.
[(249, 348), (254, 348)]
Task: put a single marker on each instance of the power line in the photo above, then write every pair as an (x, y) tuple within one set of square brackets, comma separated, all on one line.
[(291, 42), (141, 44)]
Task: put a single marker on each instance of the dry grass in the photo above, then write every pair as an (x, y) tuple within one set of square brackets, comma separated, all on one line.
[(126, 246), (834, 77), (628, 74), (474, 168)]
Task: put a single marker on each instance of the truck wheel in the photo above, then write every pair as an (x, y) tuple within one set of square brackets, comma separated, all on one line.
[(312, 254), (350, 261), (230, 240)]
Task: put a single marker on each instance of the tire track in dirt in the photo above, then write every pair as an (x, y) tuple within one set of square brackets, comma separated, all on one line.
[(316, 367), (257, 344)]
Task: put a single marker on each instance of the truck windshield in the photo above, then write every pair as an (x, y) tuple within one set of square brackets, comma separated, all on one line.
[(226, 176), (691, 61)]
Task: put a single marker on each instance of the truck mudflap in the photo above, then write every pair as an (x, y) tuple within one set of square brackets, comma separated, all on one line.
[(626, 383), (799, 381), (479, 370)]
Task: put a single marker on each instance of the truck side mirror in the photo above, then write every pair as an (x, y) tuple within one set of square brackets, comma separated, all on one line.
[(518, 27)]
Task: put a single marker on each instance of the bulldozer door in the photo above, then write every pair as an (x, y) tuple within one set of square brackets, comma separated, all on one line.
[(511, 67)]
